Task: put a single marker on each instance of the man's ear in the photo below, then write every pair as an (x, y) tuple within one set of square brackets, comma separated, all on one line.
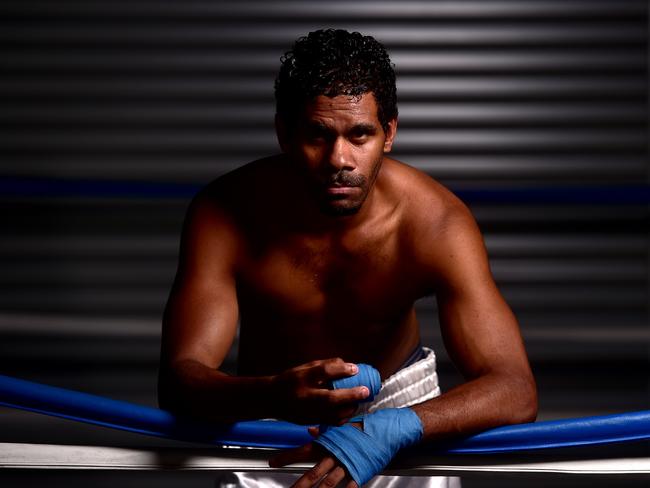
[(391, 130), (282, 133)]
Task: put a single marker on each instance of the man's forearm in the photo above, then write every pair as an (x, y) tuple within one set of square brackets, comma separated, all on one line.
[(299, 394), (488, 401), (196, 390)]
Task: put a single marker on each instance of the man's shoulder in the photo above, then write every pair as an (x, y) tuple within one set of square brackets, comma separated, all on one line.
[(229, 201), (241, 187), (425, 201), (243, 179), (436, 224)]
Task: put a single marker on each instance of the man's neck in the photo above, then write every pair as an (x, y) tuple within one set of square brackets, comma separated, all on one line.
[(320, 222)]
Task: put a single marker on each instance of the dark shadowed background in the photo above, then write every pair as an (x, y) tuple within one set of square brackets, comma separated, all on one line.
[(492, 95)]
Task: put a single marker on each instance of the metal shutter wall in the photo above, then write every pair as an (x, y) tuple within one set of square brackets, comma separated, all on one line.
[(492, 93)]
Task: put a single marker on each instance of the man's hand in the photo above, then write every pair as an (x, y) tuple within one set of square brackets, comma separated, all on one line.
[(303, 395), (328, 471), (362, 450)]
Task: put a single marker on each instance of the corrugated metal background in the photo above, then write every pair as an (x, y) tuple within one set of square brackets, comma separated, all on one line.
[(492, 94)]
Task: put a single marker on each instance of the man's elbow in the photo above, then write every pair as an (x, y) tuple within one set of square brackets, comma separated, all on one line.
[(164, 398), (524, 399), (164, 401), (167, 397)]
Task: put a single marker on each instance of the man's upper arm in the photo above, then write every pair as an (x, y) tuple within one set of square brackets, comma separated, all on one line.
[(480, 331), (200, 319)]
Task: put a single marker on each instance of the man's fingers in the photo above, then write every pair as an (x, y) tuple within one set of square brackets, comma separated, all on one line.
[(347, 395), (352, 484), (313, 476), (337, 398), (297, 455), (333, 478), (338, 368), (331, 369)]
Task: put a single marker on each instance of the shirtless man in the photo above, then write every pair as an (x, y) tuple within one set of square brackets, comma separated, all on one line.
[(321, 252)]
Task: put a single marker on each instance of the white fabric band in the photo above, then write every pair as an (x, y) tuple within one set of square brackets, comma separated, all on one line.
[(411, 385)]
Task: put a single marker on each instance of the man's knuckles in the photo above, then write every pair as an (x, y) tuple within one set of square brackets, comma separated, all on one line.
[(314, 474), (332, 367)]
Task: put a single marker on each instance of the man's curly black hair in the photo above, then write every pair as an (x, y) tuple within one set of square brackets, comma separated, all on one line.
[(335, 62)]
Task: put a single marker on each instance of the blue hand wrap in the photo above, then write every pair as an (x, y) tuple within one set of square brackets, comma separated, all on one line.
[(367, 376), (365, 453)]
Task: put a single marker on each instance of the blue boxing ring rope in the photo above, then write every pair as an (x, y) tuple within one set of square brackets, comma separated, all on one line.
[(106, 412)]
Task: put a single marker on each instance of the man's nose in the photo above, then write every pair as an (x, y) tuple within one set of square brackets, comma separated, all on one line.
[(340, 157)]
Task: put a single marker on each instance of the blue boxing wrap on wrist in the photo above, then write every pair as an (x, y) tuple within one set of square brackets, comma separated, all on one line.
[(367, 376), (365, 453)]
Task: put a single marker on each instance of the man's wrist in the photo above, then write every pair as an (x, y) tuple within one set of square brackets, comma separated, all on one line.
[(367, 451), (270, 398)]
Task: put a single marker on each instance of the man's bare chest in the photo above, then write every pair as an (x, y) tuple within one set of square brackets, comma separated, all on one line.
[(314, 279)]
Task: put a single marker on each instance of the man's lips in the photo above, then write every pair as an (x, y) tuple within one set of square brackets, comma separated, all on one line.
[(340, 190)]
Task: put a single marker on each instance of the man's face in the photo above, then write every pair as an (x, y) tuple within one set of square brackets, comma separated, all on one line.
[(339, 145)]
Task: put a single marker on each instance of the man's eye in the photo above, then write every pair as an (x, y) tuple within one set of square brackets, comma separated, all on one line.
[(316, 135), (359, 137)]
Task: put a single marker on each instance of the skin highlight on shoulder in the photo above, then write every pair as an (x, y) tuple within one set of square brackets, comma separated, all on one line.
[(426, 205)]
